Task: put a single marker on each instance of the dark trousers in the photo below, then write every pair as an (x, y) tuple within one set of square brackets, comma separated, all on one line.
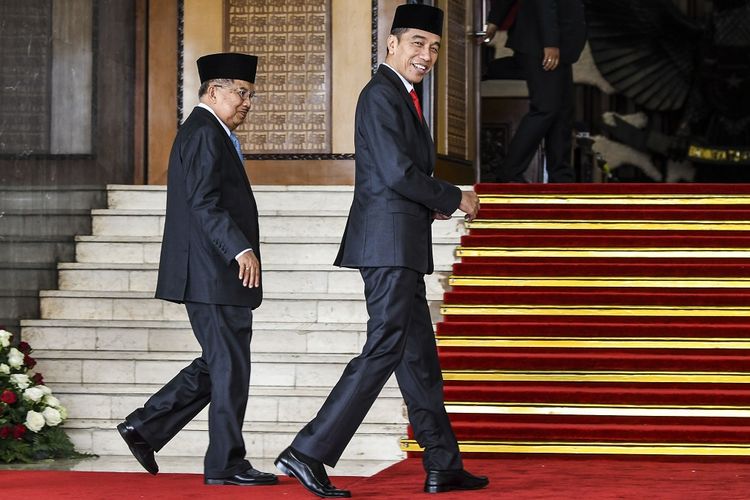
[(399, 338), (550, 117), (220, 376)]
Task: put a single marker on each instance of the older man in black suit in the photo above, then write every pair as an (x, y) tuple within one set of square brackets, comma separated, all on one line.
[(210, 261), (388, 238), (547, 37)]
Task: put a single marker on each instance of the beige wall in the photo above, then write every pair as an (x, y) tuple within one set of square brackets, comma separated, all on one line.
[(350, 40), (203, 34), (161, 87), (350, 61)]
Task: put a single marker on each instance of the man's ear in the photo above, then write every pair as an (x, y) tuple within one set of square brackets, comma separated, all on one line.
[(391, 42)]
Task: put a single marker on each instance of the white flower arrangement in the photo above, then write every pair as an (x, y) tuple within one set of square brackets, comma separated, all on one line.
[(30, 415)]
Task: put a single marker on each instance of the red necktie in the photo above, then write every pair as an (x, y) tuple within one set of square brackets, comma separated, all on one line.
[(414, 98)]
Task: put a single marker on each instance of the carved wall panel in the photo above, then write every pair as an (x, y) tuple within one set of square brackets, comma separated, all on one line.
[(25, 54), (292, 111), (46, 82), (457, 79)]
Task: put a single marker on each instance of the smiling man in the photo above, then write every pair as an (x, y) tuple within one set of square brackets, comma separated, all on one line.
[(211, 263), (388, 238)]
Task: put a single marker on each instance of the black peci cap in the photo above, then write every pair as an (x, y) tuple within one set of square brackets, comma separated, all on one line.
[(419, 16), (229, 65)]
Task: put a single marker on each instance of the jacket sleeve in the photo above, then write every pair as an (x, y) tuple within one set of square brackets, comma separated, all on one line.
[(382, 122), (499, 10), (546, 13), (202, 160)]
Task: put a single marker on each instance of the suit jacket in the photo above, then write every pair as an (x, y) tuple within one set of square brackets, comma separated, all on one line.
[(544, 23), (211, 217), (395, 194)]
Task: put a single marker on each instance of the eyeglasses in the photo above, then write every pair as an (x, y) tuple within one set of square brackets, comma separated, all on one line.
[(243, 93)]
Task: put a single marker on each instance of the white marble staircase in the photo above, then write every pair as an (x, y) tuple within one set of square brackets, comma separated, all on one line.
[(104, 344)]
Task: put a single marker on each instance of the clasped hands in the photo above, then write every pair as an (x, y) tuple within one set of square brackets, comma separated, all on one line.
[(469, 205)]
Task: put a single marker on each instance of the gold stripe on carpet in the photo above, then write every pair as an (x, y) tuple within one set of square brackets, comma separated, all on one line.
[(595, 343), (615, 225), (604, 281), (593, 310), (594, 448), (703, 253), (613, 199), (596, 376), (598, 410)]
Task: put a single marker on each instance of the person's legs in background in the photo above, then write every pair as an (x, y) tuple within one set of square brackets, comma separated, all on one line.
[(559, 140), (545, 97)]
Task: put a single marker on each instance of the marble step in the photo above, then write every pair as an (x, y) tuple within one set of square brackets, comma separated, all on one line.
[(177, 336), (30, 276), (24, 223), (277, 278), (279, 222), (51, 198), (127, 197), (28, 250), (371, 442), (265, 404), (285, 307), (275, 250), (277, 369), (19, 304), (267, 197), (10, 324)]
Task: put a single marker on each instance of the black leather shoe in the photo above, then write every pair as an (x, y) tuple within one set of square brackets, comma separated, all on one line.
[(250, 477), (310, 473), (141, 450), (439, 481)]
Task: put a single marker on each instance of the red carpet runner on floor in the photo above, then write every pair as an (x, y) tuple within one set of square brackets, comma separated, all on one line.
[(537, 478), (601, 319)]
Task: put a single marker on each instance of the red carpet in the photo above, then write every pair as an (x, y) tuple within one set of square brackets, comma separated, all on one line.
[(601, 320), (129, 485), (535, 478)]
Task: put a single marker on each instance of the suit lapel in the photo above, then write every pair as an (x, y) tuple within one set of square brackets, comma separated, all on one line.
[(420, 125), (238, 164), (392, 77)]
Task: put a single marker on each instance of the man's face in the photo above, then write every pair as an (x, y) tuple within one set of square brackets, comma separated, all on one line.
[(413, 54), (231, 103)]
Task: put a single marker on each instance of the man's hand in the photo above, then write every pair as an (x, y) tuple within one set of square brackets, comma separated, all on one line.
[(469, 204), (489, 34), (439, 216), (249, 269), (551, 58)]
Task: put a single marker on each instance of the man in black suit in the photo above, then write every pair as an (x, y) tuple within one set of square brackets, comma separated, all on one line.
[(210, 261), (547, 37), (388, 238)]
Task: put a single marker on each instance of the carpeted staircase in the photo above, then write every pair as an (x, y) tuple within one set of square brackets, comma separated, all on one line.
[(601, 319)]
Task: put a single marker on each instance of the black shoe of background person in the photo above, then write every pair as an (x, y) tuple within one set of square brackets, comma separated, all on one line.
[(439, 481), (251, 477), (141, 450), (310, 473)]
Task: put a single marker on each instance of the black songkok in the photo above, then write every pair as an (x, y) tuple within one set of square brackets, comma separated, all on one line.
[(419, 16), (228, 65)]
